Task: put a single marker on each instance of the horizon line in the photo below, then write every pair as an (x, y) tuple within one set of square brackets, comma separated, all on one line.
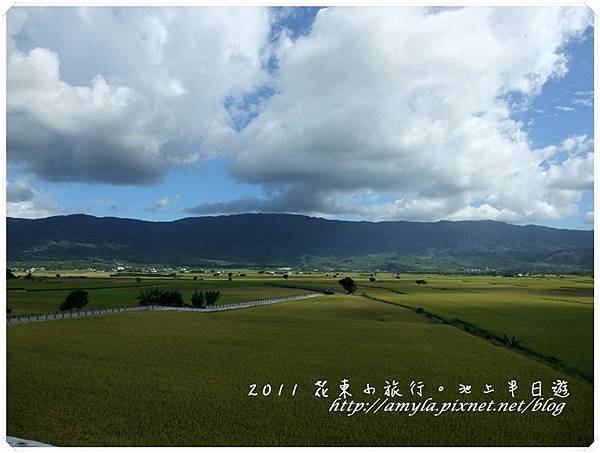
[(298, 215)]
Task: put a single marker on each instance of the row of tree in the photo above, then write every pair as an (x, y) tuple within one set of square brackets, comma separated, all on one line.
[(160, 296), (78, 299)]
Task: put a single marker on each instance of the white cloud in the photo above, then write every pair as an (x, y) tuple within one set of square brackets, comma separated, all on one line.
[(19, 191), (564, 108), (163, 203), (589, 217), (382, 113), (374, 101), (584, 102), (24, 201), (113, 94)]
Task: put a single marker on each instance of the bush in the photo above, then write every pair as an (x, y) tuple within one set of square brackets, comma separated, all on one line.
[(511, 342), (198, 299), (372, 279), (75, 300), (9, 274), (420, 282), (28, 276), (158, 296), (211, 297)]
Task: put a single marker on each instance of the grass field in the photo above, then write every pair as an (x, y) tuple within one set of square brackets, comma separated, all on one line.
[(182, 379), (551, 316), (45, 295)]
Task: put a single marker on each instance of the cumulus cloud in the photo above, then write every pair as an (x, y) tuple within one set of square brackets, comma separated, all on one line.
[(121, 95), (18, 191), (381, 113), (24, 201), (361, 109)]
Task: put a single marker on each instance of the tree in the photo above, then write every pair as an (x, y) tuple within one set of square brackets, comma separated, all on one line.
[(211, 297), (75, 300), (348, 284), (229, 275), (151, 296), (195, 277), (198, 299), (286, 276), (420, 282), (158, 296), (9, 274), (138, 279), (57, 275), (372, 279), (29, 276), (173, 298)]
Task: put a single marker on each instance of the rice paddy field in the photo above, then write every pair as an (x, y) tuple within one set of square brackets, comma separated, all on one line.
[(174, 378), (44, 295)]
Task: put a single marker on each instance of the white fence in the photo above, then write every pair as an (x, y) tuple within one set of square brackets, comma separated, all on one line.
[(108, 311)]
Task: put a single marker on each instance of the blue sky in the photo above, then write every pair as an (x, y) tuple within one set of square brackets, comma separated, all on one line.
[(221, 170)]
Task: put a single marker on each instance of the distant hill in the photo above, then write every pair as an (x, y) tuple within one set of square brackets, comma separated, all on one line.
[(295, 240)]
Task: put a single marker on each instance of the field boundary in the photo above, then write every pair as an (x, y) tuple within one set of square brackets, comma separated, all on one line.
[(77, 314), (304, 288), (91, 288), (477, 331)]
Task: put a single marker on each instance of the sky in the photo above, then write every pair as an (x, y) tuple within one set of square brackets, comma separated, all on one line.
[(396, 113)]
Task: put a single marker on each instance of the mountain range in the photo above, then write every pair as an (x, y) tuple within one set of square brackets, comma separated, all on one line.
[(261, 240)]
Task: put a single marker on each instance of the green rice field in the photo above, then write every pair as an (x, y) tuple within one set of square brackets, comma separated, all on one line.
[(183, 379)]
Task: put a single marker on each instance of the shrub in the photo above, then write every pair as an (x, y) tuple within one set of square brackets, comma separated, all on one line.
[(29, 276), (372, 279), (420, 282), (75, 300), (286, 276), (9, 274), (511, 342)]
